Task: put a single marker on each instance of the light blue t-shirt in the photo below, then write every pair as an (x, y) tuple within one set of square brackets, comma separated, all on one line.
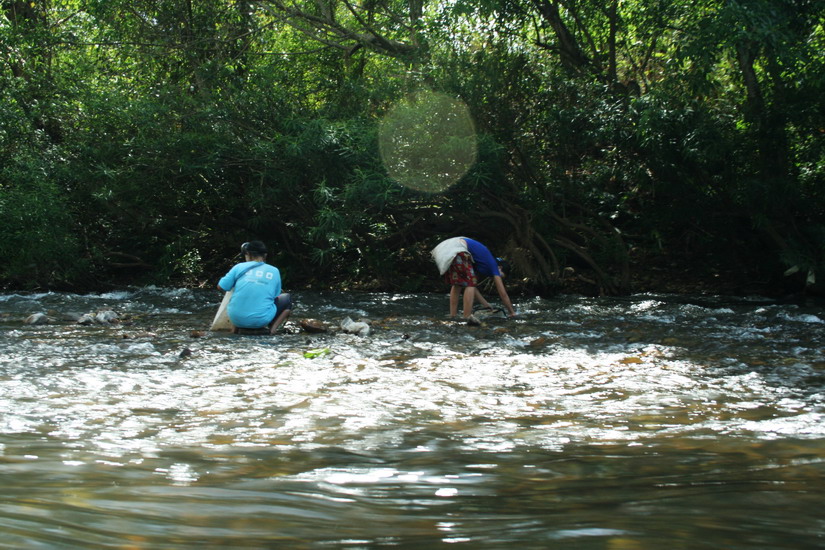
[(253, 303)]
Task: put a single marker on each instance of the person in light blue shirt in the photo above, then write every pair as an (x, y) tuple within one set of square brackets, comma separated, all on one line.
[(257, 301)]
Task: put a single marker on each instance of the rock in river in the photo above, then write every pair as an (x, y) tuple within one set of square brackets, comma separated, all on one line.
[(38, 319)]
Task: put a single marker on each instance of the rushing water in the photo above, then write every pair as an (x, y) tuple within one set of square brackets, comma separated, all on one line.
[(645, 422)]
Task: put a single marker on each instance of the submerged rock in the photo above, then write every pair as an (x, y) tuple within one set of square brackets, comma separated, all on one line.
[(313, 325), (38, 319), (262, 331), (539, 342), (86, 319), (137, 335), (107, 317)]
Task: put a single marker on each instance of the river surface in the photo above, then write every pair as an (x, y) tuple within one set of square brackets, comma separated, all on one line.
[(635, 423)]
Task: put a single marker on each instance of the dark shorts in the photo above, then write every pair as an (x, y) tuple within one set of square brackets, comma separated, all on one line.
[(461, 272), (282, 303)]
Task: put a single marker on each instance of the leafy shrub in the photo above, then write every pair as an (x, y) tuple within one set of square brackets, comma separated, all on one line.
[(37, 238)]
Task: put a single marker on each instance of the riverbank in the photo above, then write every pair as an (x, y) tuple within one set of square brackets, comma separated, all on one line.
[(709, 275), (687, 275)]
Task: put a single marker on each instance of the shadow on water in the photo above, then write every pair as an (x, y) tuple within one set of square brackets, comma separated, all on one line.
[(632, 423)]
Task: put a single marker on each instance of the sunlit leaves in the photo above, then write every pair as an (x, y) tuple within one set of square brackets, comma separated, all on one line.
[(428, 141)]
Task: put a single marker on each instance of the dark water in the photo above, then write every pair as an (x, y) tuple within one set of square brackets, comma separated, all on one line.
[(646, 422)]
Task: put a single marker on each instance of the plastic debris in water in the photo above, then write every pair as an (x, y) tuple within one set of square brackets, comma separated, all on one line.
[(313, 353), (352, 327)]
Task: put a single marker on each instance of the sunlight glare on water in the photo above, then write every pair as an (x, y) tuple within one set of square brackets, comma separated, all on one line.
[(620, 423)]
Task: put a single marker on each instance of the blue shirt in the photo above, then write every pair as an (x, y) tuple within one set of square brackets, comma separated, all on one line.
[(253, 303), (484, 263)]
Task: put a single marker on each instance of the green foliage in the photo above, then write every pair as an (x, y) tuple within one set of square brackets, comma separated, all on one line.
[(37, 237), (143, 140), (428, 141)]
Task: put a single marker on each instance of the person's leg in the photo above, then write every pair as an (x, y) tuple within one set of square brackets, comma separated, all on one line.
[(455, 290), (482, 301), (461, 276), (279, 320), (283, 309), (469, 297)]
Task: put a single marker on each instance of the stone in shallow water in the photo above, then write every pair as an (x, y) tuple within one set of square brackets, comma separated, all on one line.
[(86, 319), (539, 342), (252, 331), (106, 317), (38, 319), (313, 325)]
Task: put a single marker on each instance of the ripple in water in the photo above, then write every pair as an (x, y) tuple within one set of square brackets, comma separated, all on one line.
[(626, 423)]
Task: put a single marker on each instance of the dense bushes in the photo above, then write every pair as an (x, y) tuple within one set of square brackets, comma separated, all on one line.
[(39, 241), (142, 144)]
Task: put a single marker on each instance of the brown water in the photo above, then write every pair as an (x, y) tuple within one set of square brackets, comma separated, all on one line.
[(639, 423)]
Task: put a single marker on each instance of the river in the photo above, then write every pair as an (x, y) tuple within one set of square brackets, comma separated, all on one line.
[(633, 423)]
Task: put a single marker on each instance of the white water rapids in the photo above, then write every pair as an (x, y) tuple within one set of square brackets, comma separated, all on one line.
[(623, 423)]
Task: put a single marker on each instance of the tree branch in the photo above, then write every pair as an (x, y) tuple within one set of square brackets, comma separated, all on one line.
[(340, 36)]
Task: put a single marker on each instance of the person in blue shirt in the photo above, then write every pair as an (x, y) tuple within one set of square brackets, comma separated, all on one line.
[(257, 301), (461, 260)]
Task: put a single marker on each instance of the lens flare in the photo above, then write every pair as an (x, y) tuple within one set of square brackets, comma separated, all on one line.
[(428, 141)]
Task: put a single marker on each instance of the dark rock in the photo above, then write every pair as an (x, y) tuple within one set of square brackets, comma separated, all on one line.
[(313, 325)]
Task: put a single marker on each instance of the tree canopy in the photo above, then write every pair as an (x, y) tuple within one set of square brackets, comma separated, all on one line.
[(143, 140)]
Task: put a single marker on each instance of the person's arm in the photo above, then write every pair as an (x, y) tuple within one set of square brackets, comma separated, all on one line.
[(505, 299), (228, 281)]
